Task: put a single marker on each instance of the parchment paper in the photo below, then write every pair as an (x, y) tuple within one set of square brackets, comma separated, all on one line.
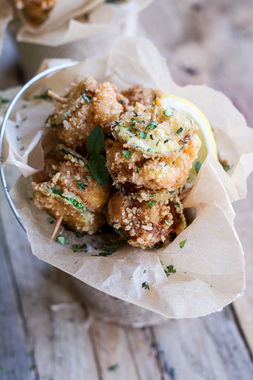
[(77, 19), (210, 267)]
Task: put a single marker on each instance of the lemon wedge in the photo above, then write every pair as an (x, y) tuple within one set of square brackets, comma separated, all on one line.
[(208, 143)]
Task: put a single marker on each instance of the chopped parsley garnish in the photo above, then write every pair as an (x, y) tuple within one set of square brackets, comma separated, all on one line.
[(167, 222), (79, 247), (51, 220), (143, 135), (121, 233), (4, 100), (86, 97), (151, 203), (182, 243), (169, 269), (123, 102), (16, 126), (167, 113), (167, 140), (136, 114), (127, 154), (114, 366), (82, 185), (152, 125), (151, 136), (61, 239), (197, 166), (111, 247), (145, 285), (157, 142), (225, 165), (79, 234), (180, 130)]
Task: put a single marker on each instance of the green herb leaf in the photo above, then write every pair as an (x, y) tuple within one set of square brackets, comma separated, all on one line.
[(152, 125), (197, 166), (225, 165), (127, 154), (79, 247), (61, 239), (98, 170), (114, 366), (86, 97), (111, 247), (182, 243), (180, 130), (51, 220), (82, 185), (167, 113), (145, 285), (143, 135), (151, 203), (95, 141), (122, 233), (167, 222), (4, 100), (169, 269)]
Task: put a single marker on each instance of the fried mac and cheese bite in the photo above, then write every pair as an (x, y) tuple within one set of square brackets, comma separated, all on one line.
[(86, 105), (152, 148), (146, 223), (35, 11), (65, 187)]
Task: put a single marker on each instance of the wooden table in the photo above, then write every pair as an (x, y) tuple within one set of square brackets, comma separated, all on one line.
[(44, 331)]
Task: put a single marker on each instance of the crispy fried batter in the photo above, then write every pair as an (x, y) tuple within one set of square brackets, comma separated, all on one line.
[(87, 104), (106, 106), (65, 186), (169, 172), (139, 94), (145, 223), (35, 11)]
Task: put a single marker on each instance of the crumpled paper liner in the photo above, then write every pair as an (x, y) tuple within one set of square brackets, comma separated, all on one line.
[(76, 20), (210, 267)]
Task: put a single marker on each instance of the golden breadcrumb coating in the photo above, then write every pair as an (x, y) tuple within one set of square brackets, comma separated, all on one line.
[(86, 105), (145, 223), (153, 147), (138, 94), (163, 172), (105, 105), (57, 203), (65, 185), (35, 11)]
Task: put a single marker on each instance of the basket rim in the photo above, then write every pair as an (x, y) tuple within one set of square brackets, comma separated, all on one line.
[(6, 118)]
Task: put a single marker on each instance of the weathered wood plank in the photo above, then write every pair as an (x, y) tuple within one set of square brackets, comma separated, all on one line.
[(114, 357), (207, 348), (72, 350), (16, 360), (50, 331), (143, 352)]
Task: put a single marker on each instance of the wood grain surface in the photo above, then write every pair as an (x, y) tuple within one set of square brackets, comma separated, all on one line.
[(46, 334)]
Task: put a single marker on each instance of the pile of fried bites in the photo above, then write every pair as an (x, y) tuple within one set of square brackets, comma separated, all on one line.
[(120, 158)]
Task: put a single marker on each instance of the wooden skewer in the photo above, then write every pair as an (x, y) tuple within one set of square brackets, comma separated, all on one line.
[(58, 98), (56, 227), (154, 111)]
